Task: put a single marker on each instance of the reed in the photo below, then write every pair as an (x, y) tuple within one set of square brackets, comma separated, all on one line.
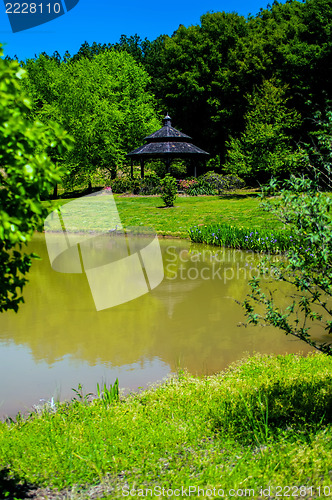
[(257, 240)]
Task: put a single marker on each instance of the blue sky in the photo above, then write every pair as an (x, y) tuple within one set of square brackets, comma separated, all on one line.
[(105, 21)]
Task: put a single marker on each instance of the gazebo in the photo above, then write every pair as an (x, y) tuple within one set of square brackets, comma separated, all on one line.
[(167, 144)]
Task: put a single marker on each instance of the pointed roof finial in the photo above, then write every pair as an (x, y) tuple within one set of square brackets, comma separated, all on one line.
[(167, 121)]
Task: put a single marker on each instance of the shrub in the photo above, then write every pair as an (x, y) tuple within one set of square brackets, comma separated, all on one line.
[(196, 187), (222, 182), (201, 187), (150, 184), (122, 185), (125, 185), (178, 168), (210, 184), (186, 184), (169, 189), (158, 167), (213, 163)]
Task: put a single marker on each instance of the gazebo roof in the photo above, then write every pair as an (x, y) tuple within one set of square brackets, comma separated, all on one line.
[(155, 149), (167, 132), (167, 142)]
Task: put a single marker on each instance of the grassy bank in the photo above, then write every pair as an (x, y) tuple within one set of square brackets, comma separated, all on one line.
[(264, 423), (239, 209)]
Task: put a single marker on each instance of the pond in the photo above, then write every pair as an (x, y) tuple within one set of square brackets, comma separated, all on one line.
[(191, 320)]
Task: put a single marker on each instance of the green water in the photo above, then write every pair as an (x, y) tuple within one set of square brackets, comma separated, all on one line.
[(191, 320)]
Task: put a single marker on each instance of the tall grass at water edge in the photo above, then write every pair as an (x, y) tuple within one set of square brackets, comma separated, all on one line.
[(258, 240)]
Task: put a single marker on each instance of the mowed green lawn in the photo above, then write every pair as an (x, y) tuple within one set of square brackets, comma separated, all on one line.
[(237, 209)]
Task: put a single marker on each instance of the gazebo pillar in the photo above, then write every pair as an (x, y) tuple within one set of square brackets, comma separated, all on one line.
[(131, 168), (142, 168)]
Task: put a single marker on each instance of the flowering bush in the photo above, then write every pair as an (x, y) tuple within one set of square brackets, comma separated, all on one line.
[(187, 183)]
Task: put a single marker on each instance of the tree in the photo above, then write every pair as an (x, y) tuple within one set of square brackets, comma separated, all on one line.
[(201, 74), (26, 174), (306, 268), (185, 70), (264, 148), (102, 101), (319, 150)]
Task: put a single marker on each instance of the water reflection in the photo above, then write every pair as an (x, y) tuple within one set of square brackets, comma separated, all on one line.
[(191, 320)]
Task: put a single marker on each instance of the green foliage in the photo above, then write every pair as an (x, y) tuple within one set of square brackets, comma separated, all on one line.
[(150, 184), (210, 184), (263, 421), (197, 187), (109, 396), (223, 183), (177, 169), (262, 240), (124, 184), (168, 190), (202, 73), (102, 101), (80, 396), (200, 188), (213, 163), (158, 167), (307, 268), (320, 148), (26, 174), (264, 148), (187, 76)]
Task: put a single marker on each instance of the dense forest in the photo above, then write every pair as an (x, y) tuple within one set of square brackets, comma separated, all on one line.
[(254, 92)]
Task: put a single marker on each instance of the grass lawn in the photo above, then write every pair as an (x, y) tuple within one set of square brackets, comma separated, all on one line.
[(265, 423), (241, 209)]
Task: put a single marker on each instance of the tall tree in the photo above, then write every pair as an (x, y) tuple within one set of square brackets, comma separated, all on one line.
[(203, 73), (264, 148), (102, 101), (186, 79)]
